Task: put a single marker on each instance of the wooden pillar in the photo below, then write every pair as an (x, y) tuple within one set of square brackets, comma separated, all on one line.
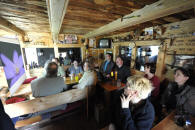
[(115, 52), (133, 57), (56, 52), (83, 54), (160, 65)]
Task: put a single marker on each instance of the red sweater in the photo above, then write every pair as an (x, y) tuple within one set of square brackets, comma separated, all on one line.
[(156, 84)]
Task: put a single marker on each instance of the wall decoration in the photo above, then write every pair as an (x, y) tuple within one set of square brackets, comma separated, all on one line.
[(12, 61), (92, 42)]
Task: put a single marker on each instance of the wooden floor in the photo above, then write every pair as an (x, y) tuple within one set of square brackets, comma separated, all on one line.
[(75, 121)]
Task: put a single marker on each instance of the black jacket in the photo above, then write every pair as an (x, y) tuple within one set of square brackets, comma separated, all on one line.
[(139, 117), (123, 73), (181, 98), (5, 121), (109, 67)]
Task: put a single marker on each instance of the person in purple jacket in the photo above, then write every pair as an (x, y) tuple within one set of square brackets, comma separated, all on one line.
[(135, 112)]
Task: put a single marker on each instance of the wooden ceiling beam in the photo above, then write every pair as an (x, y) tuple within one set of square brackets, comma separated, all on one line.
[(56, 12), (9, 26), (156, 10)]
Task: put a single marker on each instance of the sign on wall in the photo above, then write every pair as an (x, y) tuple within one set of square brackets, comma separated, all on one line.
[(182, 46)]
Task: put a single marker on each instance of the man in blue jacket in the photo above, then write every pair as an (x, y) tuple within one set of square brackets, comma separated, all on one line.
[(135, 112)]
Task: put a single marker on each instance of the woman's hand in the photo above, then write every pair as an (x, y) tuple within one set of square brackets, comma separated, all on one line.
[(125, 101)]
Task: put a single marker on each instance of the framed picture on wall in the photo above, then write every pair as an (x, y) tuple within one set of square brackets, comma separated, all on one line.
[(91, 42), (184, 60), (69, 39)]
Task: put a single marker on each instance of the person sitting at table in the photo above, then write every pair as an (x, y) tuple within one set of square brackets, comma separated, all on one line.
[(149, 70), (75, 68), (61, 71), (179, 94), (89, 77), (132, 109), (49, 85), (123, 72), (107, 66)]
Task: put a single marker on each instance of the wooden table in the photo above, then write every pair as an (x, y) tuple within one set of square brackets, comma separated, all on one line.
[(25, 89), (111, 86), (169, 124)]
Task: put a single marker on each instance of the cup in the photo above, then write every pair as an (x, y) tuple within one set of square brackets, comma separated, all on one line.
[(118, 84), (72, 76), (77, 78)]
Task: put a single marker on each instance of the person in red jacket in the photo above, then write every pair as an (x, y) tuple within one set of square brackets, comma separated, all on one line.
[(149, 70)]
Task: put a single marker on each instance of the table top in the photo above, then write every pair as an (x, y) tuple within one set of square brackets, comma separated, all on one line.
[(111, 85), (69, 81), (25, 89), (169, 124)]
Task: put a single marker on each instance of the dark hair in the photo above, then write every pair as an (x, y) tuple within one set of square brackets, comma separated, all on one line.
[(90, 61), (184, 71), (52, 72), (109, 55), (120, 57), (152, 67)]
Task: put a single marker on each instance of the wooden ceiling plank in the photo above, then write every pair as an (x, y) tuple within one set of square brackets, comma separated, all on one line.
[(6, 24), (156, 10), (56, 12)]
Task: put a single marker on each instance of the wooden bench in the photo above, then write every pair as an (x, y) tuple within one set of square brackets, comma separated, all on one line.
[(43, 103)]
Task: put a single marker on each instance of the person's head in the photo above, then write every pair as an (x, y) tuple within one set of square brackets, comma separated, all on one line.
[(149, 68), (138, 87), (119, 61), (108, 57), (52, 70), (181, 76), (75, 63), (89, 64), (56, 60)]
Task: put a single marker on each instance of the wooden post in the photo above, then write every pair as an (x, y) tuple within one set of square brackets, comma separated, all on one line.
[(56, 52), (115, 52), (133, 57), (6, 24), (56, 12), (160, 65)]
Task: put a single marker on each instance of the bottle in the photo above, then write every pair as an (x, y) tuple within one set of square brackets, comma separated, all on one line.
[(118, 83), (115, 75), (112, 74)]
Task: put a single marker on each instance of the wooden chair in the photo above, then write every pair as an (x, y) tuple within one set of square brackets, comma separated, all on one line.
[(91, 90)]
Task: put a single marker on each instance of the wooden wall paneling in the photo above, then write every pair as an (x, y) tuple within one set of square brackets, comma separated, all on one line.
[(179, 29)]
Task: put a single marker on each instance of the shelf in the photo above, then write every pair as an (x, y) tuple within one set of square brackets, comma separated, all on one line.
[(69, 45)]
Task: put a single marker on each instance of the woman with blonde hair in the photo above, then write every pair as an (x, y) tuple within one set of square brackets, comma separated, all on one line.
[(136, 111)]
